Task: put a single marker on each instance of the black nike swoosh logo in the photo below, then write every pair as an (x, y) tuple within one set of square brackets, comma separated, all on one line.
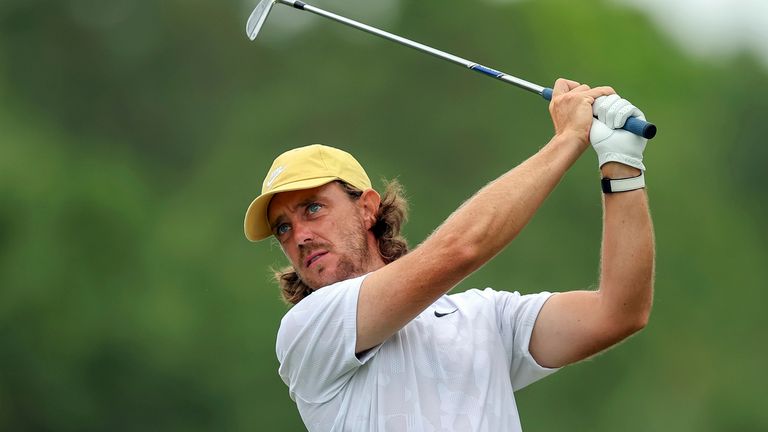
[(442, 314)]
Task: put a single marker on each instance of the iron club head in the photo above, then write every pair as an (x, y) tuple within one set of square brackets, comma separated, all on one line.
[(257, 18)]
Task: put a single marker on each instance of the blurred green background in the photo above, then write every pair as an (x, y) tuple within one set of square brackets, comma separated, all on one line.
[(133, 135)]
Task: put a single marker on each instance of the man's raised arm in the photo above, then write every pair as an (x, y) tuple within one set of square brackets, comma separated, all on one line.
[(395, 294), (574, 325)]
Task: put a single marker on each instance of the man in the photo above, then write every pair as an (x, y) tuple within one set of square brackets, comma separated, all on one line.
[(374, 344)]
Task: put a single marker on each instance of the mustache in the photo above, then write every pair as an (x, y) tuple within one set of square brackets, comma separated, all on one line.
[(306, 250)]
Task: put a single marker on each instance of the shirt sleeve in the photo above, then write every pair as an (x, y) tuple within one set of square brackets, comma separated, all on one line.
[(516, 314), (316, 342)]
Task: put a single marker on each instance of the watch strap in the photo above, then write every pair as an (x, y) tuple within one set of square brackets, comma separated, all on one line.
[(624, 184)]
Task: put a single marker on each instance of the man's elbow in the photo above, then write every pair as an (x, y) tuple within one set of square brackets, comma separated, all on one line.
[(640, 322), (623, 321), (634, 322), (465, 256), (618, 329)]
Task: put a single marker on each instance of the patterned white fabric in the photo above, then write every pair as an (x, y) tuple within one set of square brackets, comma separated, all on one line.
[(454, 372)]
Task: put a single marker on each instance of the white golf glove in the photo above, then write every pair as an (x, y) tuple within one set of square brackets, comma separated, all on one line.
[(612, 143)]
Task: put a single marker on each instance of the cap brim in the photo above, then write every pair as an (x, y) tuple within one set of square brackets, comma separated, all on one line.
[(256, 224)]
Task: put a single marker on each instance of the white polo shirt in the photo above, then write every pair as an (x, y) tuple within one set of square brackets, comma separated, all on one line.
[(452, 368)]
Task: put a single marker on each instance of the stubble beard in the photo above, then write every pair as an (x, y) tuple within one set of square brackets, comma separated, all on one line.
[(354, 259)]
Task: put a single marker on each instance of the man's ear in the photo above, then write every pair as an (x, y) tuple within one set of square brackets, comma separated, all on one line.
[(370, 201)]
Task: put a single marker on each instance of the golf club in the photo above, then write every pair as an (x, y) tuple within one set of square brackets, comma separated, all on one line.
[(259, 16)]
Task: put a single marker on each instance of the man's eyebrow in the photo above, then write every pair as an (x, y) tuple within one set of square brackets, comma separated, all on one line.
[(308, 200), (279, 220), (303, 203)]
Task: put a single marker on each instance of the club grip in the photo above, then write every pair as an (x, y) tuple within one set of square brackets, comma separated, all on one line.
[(633, 124)]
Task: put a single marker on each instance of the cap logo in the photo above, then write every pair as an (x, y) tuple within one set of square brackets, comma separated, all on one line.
[(274, 175)]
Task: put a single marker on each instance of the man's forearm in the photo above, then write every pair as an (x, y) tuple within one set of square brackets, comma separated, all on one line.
[(627, 262)]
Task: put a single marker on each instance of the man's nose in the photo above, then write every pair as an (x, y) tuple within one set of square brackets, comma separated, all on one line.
[(302, 233)]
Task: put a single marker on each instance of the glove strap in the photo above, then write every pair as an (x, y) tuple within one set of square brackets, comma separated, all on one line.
[(624, 184)]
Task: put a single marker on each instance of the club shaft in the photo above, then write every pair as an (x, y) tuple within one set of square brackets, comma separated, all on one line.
[(633, 124), (418, 46)]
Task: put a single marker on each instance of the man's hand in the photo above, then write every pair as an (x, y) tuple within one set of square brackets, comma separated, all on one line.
[(612, 143), (571, 109)]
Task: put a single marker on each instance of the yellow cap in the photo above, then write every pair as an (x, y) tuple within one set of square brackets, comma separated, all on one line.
[(301, 168)]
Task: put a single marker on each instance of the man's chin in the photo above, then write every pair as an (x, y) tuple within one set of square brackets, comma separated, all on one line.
[(329, 279)]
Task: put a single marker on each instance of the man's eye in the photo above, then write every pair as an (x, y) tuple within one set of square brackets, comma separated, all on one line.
[(314, 208), (281, 229)]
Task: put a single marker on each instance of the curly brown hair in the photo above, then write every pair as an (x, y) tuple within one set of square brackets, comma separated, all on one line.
[(392, 214)]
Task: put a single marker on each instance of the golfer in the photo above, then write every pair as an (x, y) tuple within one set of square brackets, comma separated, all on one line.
[(373, 342)]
